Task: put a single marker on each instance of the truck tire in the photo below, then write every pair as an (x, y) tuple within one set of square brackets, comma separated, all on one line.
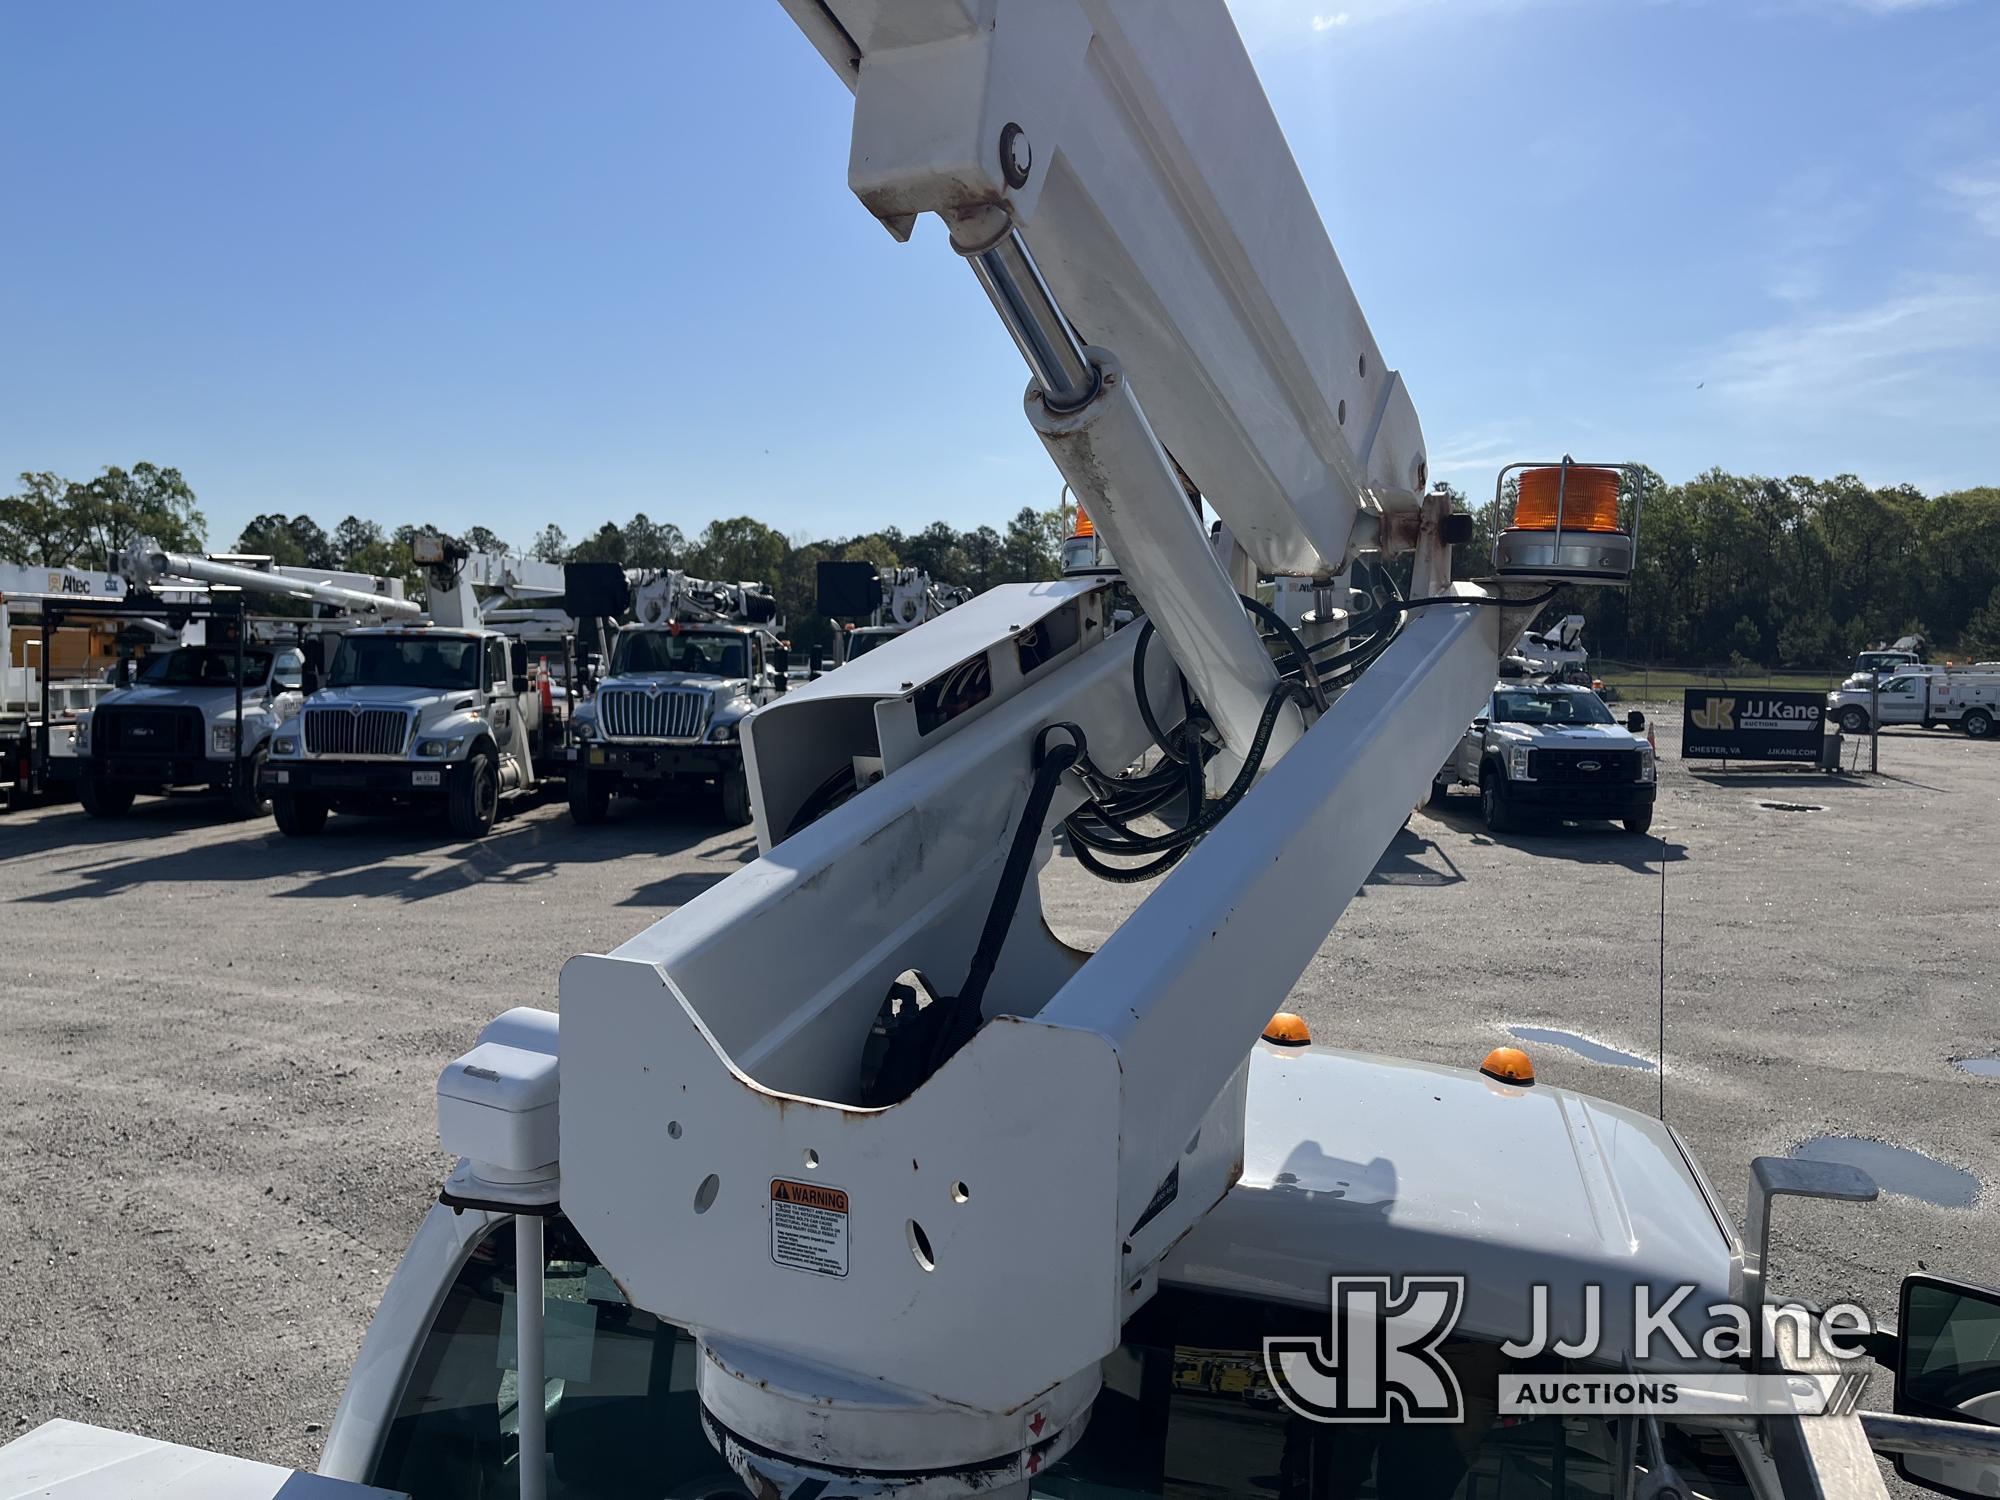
[(1978, 723), (1493, 803), (104, 799), (1638, 822), (1440, 790), (1854, 719), (300, 815), (734, 786), (246, 797), (589, 796), (473, 800)]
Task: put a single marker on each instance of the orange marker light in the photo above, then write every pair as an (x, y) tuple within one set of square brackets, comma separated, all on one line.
[(1083, 526), (1509, 1065), (1287, 1030), (1589, 499)]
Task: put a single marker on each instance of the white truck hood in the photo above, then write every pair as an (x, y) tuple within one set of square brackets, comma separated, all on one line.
[(1565, 736)]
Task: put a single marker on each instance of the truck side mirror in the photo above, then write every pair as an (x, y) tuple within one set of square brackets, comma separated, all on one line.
[(781, 665), (1481, 722), (815, 664), (1636, 722), (1948, 1367), (314, 652)]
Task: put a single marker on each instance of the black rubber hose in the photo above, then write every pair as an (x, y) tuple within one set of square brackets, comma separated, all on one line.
[(1139, 691), (1050, 763)]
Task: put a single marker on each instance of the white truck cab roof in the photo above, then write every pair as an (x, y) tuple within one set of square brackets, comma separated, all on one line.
[(1509, 1186)]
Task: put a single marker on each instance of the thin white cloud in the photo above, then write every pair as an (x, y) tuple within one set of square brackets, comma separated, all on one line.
[(1977, 190), (1839, 364), (1327, 23)]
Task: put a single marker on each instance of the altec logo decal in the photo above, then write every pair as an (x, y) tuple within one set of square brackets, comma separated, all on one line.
[(1382, 1359), (1717, 714)]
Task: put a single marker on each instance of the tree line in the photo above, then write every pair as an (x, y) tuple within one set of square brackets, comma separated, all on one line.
[(1733, 570), (89, 524)]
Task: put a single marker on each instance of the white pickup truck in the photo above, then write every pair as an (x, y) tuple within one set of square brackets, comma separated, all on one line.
[(176, 726), (1929, 696), (1555, 750)]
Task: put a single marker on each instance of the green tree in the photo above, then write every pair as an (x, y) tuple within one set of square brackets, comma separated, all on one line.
[(550, 545), (42, 522), (120, 506)]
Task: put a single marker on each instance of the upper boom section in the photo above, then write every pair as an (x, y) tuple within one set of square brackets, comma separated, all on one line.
[(1131, 144)]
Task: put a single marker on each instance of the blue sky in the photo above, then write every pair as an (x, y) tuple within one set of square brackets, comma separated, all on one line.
[(505, 263)]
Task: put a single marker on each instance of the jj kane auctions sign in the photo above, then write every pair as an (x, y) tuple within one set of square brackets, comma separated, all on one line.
[(1751, 724)]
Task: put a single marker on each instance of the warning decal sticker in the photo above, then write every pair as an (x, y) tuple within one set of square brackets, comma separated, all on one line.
[(809, 1227)]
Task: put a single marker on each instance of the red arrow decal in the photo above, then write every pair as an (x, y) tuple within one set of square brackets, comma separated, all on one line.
[(1035, 1424)]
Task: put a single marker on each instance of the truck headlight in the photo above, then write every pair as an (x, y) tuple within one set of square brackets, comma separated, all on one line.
[(722, 734), (1517, 763), (1648, 770), (224, 739), (439, 749), (285, 744), (586, 729)]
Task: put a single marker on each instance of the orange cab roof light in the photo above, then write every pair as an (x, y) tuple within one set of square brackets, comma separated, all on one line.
[(1083, 526), (1588, 497), (1509, 1065), (1288, 1030)]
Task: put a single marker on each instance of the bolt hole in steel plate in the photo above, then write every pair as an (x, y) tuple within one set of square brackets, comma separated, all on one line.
[(920, 1245), (673, 1130), (960, 1193), (812, 1160), (1793, 806), (1896, 1169), (704, 1196)]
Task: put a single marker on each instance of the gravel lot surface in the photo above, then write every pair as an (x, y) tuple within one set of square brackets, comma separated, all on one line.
[(218, 1046)]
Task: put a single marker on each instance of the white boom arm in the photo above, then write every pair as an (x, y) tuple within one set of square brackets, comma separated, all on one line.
[(909, 1293), (150, 564)]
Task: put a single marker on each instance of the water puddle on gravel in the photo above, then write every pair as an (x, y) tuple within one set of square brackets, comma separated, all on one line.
[(1985, 1067), (1897, 1169), (1582, 1046)]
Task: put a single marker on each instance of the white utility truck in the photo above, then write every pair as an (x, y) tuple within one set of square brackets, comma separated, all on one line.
[(847, 1178), (201, 714), (442, 713), (901, 599), (1965, 698), (1553, 750), (668, 714), (47, 678)]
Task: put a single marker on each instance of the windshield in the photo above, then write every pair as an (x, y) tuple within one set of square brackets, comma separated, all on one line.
[(1187, 1410), (1530, 706), (431, 661), (204, 666), (711, 653), (859, 644)]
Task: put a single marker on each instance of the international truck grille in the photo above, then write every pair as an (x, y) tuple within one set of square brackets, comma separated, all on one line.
[(669, 714), (136, 732), (342, 731), (1584, 767)]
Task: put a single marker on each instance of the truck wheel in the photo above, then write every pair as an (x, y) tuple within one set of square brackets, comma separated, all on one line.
[(1493, 803), (104, 799), (246, 797), (1978, 723), (589, 796), (300, 815), (1854, 719), (1440, 790), (1639, 821), (474, 799), (734, 785)]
